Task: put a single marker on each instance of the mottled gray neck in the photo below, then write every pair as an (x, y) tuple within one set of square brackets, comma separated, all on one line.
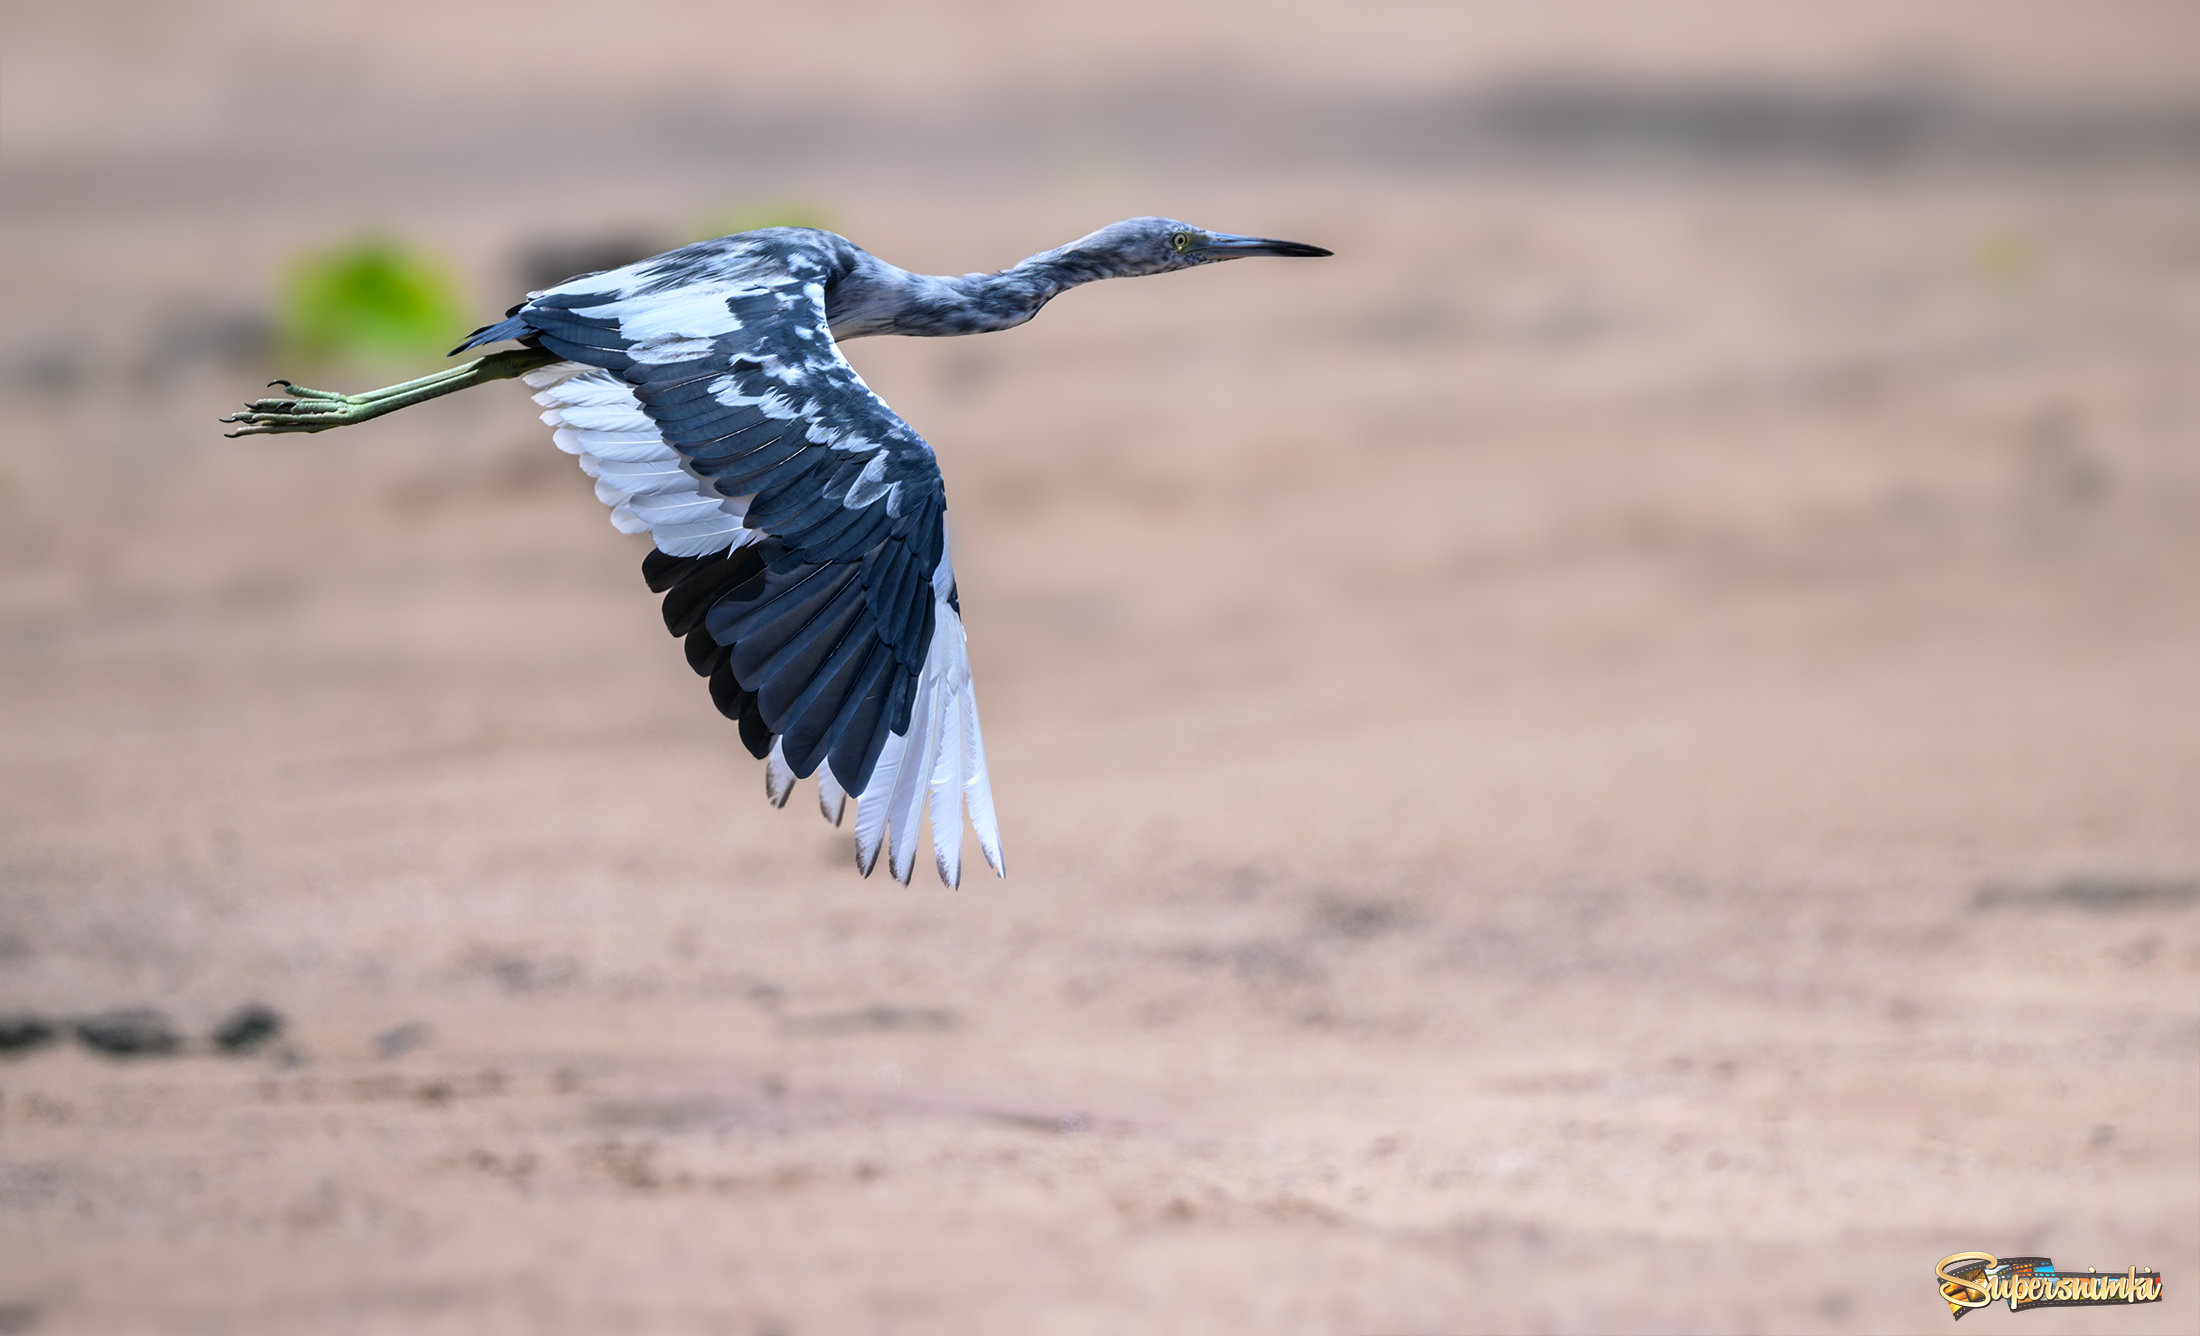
[(874, 297)]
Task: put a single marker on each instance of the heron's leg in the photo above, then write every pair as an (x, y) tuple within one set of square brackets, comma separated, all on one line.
[(308, 409)]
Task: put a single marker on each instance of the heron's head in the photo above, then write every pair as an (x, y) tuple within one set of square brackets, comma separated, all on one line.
[(1158, 245)]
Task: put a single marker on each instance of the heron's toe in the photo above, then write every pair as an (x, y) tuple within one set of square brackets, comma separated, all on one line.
[(308, 392), (262, 417)]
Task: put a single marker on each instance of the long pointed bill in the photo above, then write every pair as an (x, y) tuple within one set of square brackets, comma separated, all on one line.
[(1226, 246)]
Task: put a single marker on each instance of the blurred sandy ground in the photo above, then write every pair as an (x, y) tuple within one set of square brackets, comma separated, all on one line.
[(1624, 755)]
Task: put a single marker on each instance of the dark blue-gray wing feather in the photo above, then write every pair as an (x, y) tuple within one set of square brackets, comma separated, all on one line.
[(814, 627)]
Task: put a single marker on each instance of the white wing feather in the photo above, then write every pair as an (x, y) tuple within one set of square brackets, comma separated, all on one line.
[(978, 786), (905, 805), (872, 806), (832, 800), (648, 486), (947, 790), (778, 776)]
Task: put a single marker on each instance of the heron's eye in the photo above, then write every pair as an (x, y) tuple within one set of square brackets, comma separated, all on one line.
[(1182, 241)]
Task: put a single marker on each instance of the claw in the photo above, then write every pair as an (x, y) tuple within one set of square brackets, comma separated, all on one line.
[(269, 424), (298, 391), (271, 416)]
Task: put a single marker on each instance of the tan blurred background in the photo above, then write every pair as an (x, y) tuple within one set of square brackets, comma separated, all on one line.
[(1623, 755)]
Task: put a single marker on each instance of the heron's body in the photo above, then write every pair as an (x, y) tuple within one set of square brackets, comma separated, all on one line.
[(799, 523)]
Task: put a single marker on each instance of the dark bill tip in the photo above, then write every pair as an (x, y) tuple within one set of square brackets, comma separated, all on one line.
[(1231, 247)]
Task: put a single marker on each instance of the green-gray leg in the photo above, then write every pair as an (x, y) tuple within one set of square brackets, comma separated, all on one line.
[(319, 410)]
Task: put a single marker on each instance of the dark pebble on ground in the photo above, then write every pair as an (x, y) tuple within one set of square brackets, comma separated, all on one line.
[(248, 1030), (21, 1034), (139, 1032)]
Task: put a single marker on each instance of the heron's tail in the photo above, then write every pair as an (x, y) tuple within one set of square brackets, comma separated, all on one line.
[(511, 327)]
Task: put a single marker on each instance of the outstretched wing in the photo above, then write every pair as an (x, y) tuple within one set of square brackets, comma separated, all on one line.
[(800, 525)]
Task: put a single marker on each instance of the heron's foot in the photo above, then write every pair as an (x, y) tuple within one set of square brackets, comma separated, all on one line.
[(307, 409), (304, 409)]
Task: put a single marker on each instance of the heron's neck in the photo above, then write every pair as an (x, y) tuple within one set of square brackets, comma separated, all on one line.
[(877, 298)]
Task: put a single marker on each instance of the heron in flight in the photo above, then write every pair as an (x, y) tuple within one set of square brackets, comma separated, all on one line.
[(800, 526)]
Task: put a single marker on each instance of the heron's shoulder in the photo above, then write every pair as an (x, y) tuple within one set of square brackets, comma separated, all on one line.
[(803, 254)]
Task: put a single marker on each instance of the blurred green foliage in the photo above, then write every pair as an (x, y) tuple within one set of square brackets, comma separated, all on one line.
[(372, 299), (749, 217), (2007, 259)]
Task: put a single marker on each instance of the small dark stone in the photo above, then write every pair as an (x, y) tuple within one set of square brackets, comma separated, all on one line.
[(403, 1039), (249, 1029), (21, 1034), (137, 1032), (874, 1019)]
